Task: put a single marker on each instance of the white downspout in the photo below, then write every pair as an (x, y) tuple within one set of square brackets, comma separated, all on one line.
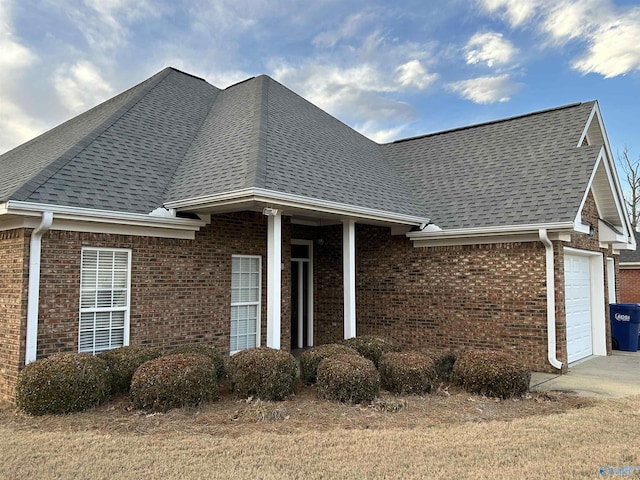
[(551, 300), (34, 286)]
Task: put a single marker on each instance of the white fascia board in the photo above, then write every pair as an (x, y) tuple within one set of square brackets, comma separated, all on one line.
[(486, 235), (614, 180), (616, 190), (287, 200), (105, 221)]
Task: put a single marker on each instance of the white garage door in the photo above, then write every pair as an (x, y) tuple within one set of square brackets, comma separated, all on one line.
[(577, 280)]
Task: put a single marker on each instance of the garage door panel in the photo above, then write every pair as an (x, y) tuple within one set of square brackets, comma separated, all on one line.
[(578, 307)]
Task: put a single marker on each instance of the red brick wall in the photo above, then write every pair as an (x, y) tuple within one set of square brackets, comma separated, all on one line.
[(453, 297), (629, 285), (180, 289), (14, 248)]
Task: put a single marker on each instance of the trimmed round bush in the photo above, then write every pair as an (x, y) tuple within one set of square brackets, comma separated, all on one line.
[(123, 362), (372, 346), (174, 381), (495, 373), (202, 349), (263, 372), (409, 372), (348, 378), (310, 359), (63, 383)]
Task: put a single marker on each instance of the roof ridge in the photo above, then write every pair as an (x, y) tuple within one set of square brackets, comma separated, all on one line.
[(262, 125), (492, 122), (33, 183), (193, 139)]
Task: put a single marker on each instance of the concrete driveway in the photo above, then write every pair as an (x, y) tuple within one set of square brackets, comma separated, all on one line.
[(616, 375)]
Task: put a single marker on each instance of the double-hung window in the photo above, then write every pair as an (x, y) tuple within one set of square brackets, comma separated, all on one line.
[(104, 299), (245, 302)]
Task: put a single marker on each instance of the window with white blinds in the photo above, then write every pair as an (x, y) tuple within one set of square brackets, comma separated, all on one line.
[(245, 302), (104, 299)]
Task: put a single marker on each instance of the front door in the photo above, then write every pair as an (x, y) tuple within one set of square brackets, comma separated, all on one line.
[(301, 293)]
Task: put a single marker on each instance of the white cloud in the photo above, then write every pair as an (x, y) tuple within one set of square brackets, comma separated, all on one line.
[(490, 48), (515, 12), (614, 49), (80, 86), (351, 25), (609, 33), (105, 23), (413, 74), (565, 20), (16, 126), (490, 89)]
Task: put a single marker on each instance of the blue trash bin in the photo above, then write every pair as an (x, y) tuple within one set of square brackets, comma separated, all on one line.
[(625, 322)]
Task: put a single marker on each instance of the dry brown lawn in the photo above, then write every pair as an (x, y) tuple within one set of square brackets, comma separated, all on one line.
[(449, 434)]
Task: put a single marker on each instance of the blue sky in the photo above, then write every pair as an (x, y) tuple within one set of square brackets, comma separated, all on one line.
[(389, 69)]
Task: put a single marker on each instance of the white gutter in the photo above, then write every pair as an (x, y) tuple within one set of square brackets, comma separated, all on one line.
[(551, 300), (102, 216), (35, 247), (490, 231)]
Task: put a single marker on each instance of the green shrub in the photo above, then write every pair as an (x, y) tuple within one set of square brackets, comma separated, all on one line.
[(174, 381), (443, 364), (63, 383), (263, 372), (495, 373), (372, 347), (202, 349), (408, 372), (348, 378), (310, 359), (124, 361)]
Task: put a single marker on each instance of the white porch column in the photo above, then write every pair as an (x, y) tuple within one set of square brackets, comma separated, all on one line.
[(349, 275), (274, 276)]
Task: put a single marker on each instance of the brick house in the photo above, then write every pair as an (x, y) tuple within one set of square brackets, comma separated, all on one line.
[(177, 212), (630, 274)]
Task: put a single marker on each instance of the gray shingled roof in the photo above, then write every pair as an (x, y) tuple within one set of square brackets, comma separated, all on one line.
[(175, 137), (522, 170), (260, 134), (631, 256)]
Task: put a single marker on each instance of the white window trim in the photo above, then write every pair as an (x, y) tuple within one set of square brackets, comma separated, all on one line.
[(598, 318), (258, 303), (126, 309), (611, 280)]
